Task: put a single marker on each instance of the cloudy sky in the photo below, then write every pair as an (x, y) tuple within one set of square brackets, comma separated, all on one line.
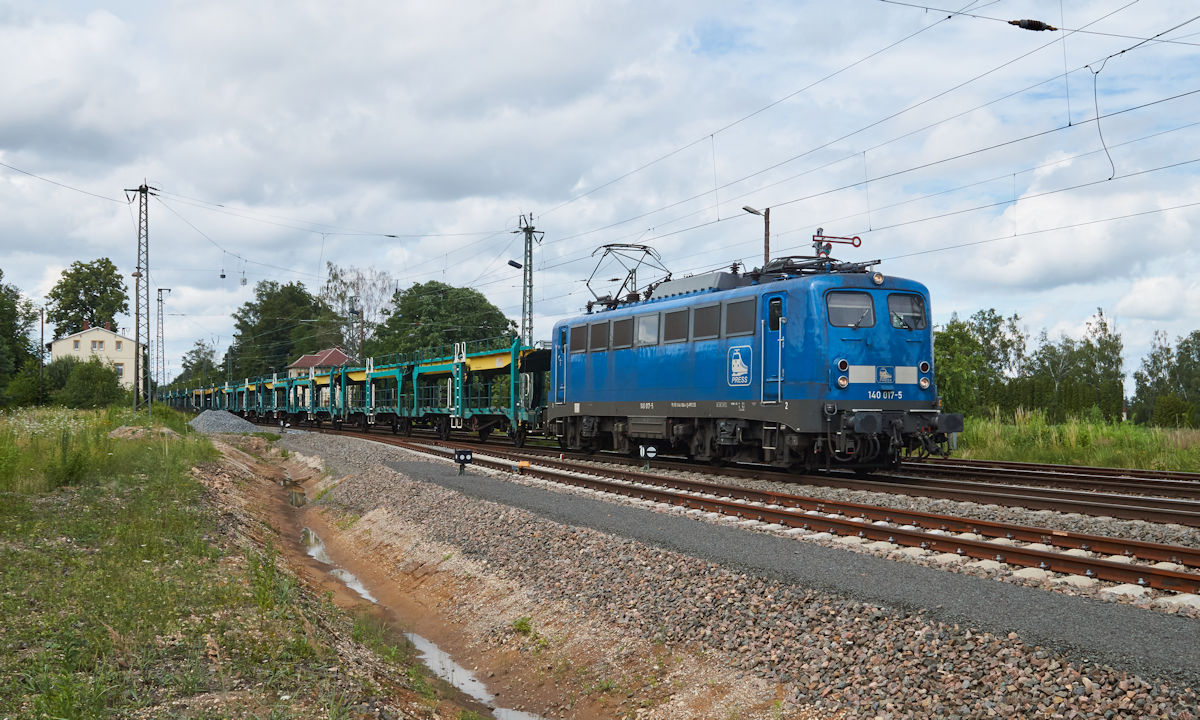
[(411, 136)]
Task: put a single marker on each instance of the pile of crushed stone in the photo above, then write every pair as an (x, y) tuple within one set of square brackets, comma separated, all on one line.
[(221, 421)]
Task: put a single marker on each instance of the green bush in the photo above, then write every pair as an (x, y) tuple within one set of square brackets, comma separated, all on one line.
[(91, 384), (1173, 411)]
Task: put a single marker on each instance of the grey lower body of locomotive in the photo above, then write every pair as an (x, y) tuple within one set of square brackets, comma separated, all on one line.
[(793, 434)]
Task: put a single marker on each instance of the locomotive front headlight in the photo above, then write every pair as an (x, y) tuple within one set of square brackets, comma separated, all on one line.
[(924, 383), (877, 278), (843, 381)]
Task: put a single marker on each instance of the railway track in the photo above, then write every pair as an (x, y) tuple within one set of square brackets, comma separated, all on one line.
[(1164, 567), (1166, 484), (1094, 499), (1103, 558)]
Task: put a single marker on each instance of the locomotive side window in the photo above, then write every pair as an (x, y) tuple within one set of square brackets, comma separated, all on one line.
[(599, 333), (850, 309), (739, 318), (578, 338), (622, 333), (774, 313), (675, 326), (647, 330), (907, 311), (706, 322)]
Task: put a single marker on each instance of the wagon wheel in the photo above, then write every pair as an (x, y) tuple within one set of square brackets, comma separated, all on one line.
[(484, 434), (442, 425), (518, 437), (406, 427)]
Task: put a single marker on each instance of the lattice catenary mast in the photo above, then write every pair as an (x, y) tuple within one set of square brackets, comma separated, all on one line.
[(160, 354), (141, 293), (531, 234)]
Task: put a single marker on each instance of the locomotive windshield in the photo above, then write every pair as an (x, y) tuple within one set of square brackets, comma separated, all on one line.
[(850, 309), (907, 311)]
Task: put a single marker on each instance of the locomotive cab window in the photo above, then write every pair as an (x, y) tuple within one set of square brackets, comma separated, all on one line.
[(850, 309), (907, 311), (578, 338), (739, 318), (675, 326), (647, 330), (622, 333), (706, 322), (774, 313), (599, 336)]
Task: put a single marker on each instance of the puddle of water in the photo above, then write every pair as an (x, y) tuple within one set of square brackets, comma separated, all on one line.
[(353, 583), (315, 548), (431, 655), (461, 678)]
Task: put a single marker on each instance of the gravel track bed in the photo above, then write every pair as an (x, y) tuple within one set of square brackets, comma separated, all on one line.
[(839, 630)]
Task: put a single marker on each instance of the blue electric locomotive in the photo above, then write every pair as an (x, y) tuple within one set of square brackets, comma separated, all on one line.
[(804, 363)]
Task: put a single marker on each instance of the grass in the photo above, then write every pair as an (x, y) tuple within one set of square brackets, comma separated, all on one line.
[(118, 597), (1027, 437)]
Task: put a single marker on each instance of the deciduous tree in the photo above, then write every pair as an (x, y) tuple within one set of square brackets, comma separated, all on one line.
[(17, 317), (87, 292), (434, 313)]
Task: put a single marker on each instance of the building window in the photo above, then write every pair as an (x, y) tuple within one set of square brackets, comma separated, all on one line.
[(120, 368), (76, 344), (118, 345), (93, 346), (100, 344)]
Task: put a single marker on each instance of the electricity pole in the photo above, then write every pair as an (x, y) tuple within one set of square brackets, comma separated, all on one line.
[(141, 313), (160, 351), (527, 289)]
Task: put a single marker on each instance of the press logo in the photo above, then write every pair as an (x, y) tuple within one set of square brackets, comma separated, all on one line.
[(740, 362)]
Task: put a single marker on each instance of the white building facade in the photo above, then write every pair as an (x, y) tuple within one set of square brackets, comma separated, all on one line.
[(111, 348)]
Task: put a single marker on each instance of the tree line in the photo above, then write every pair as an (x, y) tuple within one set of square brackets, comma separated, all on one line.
[(359, 311), (984, 363), (988, 363)]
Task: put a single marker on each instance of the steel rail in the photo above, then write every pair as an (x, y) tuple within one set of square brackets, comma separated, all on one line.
[(1127, 507), (1069, 469), (665, 490), (1188, 489)]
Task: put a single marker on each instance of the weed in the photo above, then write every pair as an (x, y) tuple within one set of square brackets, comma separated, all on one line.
[(523, 625)]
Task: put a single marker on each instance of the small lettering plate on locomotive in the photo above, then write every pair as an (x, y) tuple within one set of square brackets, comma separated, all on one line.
[(741, 359)]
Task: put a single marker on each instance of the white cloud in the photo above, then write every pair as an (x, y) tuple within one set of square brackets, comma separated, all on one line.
[(428, 119)]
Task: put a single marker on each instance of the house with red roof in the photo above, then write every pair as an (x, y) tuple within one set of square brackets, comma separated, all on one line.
[(318, 362)]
